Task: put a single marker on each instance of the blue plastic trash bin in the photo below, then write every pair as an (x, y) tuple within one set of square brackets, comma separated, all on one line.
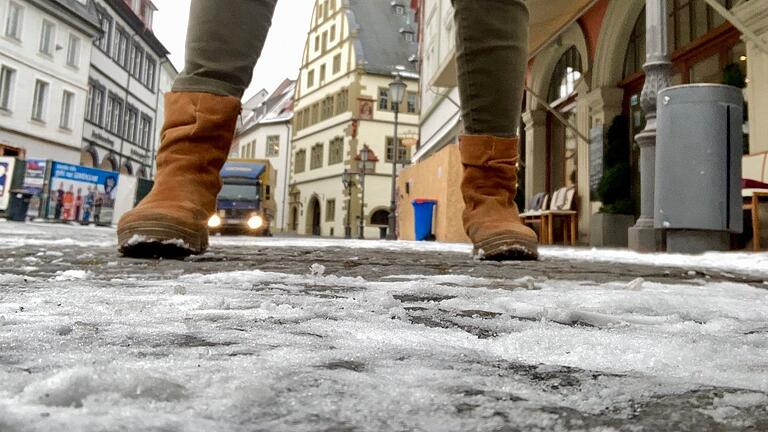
[(422, 211)]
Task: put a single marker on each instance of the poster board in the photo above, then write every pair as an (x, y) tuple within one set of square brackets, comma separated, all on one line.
[(596, 160), (7, 168), (81, 194)]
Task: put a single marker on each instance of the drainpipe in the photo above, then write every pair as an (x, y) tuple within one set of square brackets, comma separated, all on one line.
[(286, 168), (153, 154)]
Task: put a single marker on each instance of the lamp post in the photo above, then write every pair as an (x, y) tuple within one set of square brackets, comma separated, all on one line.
[(396, 93), (658, 68), (362, 166), (346, 180)]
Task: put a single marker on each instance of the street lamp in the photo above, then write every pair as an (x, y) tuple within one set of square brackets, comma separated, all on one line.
[(396, 93), (362, 166), (346, 180)]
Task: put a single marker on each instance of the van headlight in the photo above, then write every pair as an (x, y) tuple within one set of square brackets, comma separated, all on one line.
[(214, 221), (255, 222)]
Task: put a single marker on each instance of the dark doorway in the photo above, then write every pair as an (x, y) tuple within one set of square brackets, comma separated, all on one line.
[(294, 223), (380, 217), (314, 214)]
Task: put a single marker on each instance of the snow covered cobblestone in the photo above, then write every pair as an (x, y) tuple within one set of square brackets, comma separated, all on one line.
[(303, 338)]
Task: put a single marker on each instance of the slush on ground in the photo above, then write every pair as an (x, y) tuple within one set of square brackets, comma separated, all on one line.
[(300, 334)]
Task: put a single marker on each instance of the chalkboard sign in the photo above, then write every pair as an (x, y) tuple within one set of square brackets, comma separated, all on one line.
[(596, 155)]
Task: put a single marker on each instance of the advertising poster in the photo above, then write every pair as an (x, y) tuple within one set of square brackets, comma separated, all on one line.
[(7, 165), (34, 181), (81, 194)]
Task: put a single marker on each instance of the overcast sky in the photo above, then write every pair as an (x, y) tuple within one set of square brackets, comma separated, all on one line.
[(281, 57)]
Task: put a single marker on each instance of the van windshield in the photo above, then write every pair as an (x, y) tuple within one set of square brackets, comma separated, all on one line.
[(232, 192)]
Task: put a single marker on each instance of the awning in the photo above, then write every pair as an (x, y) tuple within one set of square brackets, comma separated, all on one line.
[(548, 19)]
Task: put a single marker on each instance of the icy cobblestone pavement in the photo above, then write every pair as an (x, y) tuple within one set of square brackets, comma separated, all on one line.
[(326, 335)]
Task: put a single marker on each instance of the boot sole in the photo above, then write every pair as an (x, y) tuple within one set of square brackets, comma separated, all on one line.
[(507, 247), (160, 240)]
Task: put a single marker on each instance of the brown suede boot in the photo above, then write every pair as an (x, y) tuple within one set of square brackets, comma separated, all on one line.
[(489, 187), (172, 221)]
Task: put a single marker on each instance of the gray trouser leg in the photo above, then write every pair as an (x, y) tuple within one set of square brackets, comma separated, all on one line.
[(492, 54), (224, 41)]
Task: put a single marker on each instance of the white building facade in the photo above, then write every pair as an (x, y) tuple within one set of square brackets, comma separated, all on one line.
[(45, 53), (124, 94), (266, 134), (354, 49)]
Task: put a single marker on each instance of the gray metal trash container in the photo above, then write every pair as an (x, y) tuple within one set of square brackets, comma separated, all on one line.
[(698, 166)]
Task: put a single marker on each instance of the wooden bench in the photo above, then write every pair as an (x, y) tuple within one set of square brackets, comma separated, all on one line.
[(559, 206)]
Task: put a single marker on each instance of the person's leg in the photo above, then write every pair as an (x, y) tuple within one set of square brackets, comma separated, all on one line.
[(492, 53), (224, 41)]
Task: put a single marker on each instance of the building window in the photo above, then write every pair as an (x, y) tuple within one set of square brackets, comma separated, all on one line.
[(149, 73), (383, 99), (327, 108), (330, 210), (322, 74), (47, 36), (40, 100), (316, 158), (273, 145), (300, 162), (336, 151), (105, 22), (7, 81), (342, 101), (73, 51), (298, 121), (114, 115), (145, 132), (567, 73), (317, 43), (404, 153), (137, 56), (336, 64), (14, 21), (316, 113), (131, 123), (635, 57), (689, 20), (412, 103), (325, 41), (95, 103), (319, 12), (310, 78), (67, 102), (333, 32), (120, 48)]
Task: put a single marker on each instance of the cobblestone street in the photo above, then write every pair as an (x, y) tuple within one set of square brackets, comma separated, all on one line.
[(314, 334)]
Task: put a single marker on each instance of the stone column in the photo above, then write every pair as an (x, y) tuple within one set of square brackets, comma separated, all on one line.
[(535, 152), (658, 72), (754, 14)]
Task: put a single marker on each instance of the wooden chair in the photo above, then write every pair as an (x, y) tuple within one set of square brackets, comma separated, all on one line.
[(753, 205), (562, 208), (755, 177), (535, 214)]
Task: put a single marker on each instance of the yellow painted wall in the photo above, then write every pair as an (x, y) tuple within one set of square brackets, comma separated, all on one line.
[(436, 177)]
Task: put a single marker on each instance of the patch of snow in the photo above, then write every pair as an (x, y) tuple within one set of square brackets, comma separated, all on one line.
[(71, 275)]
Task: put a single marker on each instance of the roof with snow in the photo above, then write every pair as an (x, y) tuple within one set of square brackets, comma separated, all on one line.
[(276, 108)]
